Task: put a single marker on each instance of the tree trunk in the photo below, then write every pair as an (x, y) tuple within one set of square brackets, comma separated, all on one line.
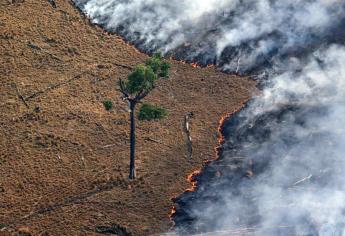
[(132, 140), (188, 133)]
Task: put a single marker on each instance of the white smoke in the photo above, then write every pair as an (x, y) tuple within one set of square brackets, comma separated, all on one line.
[(302, 188), (202, 30), (161, 24), (316, 159), (300, 44)]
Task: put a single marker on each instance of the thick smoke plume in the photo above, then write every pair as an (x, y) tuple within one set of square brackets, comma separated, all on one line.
[(238, 35), (292, 138), (281, 170)]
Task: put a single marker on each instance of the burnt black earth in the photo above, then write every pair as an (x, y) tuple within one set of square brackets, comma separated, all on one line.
[(280, 167)]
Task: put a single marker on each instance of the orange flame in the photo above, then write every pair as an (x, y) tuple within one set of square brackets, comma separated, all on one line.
[(173, 211), (221, 139), (195, 65), (192, 180), (222, 120), (192, 177)]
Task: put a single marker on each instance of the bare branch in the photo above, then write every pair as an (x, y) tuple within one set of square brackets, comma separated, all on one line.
[(123, 89), (19, 95), (143, 93)]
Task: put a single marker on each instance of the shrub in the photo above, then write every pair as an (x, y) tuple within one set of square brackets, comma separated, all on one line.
[(164, 70), (151, 112), (108, 105), (158, 65)]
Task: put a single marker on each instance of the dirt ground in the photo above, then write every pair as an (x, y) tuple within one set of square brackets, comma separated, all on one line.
[(63, 158)]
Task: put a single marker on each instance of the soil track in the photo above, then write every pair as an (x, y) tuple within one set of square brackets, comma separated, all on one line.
[(63, 158)]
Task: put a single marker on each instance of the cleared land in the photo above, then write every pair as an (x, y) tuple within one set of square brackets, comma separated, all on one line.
[(63, 157)]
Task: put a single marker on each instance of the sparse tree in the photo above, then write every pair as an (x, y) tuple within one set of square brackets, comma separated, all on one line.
[(135, 88)]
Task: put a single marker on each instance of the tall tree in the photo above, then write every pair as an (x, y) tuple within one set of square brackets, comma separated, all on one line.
[(135, 88)]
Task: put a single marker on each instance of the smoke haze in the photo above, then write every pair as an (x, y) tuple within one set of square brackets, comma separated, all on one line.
[(236, 35), (292, 136)]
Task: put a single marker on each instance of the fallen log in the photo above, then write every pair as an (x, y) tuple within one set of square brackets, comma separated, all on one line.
[(52, 87), (20, 96), (186, 128), (156, 141)]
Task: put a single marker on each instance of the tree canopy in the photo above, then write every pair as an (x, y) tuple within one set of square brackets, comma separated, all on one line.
[(141, 81), (159, 66)]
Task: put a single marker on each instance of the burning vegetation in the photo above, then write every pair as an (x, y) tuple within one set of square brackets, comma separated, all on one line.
[(280, 166), (63, 156), (275, 140)]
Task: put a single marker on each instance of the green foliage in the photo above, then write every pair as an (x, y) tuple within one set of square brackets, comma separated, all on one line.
[(158, 65), (140, 82), (151, 112), (164, 73), (141, 79), (108, 105), (155, 62)]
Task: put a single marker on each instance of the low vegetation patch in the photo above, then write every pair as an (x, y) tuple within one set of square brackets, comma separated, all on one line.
[(151, 112), (108, 105)]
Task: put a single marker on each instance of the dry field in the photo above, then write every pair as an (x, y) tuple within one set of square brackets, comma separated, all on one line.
[(63, 157)]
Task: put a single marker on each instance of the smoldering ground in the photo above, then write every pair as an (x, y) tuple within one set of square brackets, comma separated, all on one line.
[(238, 35), (291, 137)]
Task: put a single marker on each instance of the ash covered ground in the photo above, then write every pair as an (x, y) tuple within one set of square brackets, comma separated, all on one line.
[(280, 167)]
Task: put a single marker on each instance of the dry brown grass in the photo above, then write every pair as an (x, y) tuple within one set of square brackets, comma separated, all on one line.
[(63, 166)]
